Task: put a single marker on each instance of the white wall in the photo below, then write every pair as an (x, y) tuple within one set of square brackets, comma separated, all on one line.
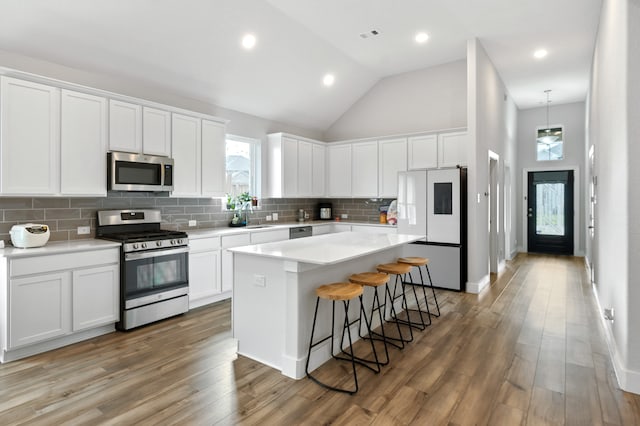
[(613, 130), (572, 117), (429, 99), (492, 124)]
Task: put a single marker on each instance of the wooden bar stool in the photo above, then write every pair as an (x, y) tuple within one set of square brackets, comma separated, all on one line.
[(418, 262), (375, 280), (344, 292), (399, 270)]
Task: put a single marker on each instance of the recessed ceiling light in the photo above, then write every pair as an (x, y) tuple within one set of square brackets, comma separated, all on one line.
[(248, 41), (328, 80), (540, 53), (421, 37)]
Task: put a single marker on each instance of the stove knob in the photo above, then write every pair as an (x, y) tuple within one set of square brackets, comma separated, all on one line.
[(173, 242), (135, 246), (159, 243), (144, 245), (180, 241)]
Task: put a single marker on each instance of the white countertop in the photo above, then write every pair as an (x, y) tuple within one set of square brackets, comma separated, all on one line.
[(58, 247), (329, 248)]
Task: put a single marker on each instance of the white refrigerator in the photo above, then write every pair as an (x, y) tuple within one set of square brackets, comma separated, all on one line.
[(433, 203)]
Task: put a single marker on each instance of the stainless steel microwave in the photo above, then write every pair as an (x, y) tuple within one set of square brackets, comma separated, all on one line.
[(139, 172)]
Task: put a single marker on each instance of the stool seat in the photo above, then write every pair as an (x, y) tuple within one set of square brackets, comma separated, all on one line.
[(372, 279), (394, 268), (339, 291), (414, 261)]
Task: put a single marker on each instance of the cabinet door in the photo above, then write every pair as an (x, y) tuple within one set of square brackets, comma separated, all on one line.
[(96, 296), (186, 152), (305, 168), (289, 167), (156, 132), (452, 149), (30, 137), (204, 274), (393, 159), (226, 269), (83, 144), (269, 236), (213, 158), (365, 169), (423, 152), (125, 126), (319, 167), (39, 308), (339, 171)]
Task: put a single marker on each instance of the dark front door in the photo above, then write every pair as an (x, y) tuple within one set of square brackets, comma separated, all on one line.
[(550, 212)]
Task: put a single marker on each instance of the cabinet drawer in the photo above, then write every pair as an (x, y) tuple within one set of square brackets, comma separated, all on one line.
[(58, 262), (204, 244), (230, 241)]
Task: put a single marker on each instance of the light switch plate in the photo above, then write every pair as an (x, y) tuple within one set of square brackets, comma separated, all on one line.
[(275, 216), (84, 230), (193, 223)]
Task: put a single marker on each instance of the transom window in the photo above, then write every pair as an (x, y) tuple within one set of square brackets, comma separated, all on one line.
[(549, 143)]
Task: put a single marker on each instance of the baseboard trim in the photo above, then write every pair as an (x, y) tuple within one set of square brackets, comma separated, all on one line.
[(477, 287), (628, 380)]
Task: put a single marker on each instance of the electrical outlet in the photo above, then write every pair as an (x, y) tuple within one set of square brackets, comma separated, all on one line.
[(193, 222), (344, 216), (84, 230), (268, 218), (275, 216), (259, 280)]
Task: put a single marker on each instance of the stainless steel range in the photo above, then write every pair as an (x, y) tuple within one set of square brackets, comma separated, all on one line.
[(154, 266)]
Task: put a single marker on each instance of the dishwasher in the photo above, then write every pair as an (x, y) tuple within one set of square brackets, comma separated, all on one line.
[(300, 232)]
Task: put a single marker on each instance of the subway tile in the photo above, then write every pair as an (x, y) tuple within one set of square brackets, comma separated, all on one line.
[(194, 209), (88, 213), (143, 203), (169, 210), (166, 201), (209, 202), (72, 224), (16, 203), (86, 203), (5, 227), (6, 238), (201, 217), (116, 203), (50, 203), (23, 215), (62, 214), (59, 236), (188, 201)]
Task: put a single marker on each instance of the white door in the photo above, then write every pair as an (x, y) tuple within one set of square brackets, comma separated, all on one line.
[(125, 126), (443, 206), (186, 153), (393, 159), (213, 158), (83, 144), (156, 132), (30, 137), (96, 297)]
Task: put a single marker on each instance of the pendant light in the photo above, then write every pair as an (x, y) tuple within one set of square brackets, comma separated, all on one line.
[(548, 138)]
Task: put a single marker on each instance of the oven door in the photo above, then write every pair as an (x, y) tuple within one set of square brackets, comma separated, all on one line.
[(155, 275)]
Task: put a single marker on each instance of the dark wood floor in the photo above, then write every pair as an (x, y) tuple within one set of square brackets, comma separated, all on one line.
[(529, 350)]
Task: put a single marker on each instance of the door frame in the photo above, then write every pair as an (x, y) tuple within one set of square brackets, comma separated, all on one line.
[(493, 213), (576, 202)]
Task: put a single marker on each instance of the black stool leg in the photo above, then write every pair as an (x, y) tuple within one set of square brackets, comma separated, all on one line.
[(432, 289), (362, 361), (426, 302), (372, 334), (402, 295), (394, 316)]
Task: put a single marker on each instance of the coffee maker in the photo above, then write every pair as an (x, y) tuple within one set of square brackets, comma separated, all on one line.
[(324, 211)]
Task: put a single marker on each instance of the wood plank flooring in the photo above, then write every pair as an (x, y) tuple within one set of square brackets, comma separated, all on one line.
[(529, 350)]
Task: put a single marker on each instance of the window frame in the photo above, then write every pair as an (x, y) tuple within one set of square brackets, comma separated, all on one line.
[(255, 162), (564, 137)]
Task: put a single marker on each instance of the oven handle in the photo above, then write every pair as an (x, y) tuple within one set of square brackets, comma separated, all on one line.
[(154, 253)]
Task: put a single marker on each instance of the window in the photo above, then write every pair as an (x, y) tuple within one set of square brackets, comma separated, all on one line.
[(243, 165), (549, 143)]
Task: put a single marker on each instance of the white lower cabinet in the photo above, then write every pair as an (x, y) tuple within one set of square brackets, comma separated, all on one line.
[(204, 271), (53, 300), (227, 242)]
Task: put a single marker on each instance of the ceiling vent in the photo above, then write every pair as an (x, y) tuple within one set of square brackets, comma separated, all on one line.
[(369, 34)]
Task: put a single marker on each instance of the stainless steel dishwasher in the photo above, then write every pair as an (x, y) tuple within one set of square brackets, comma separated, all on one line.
[(300, 232)]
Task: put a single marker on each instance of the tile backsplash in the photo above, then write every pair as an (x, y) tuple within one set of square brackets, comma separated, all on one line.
[(65, 215)]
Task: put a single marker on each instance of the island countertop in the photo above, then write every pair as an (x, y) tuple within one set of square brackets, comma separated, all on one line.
[(328, 249)]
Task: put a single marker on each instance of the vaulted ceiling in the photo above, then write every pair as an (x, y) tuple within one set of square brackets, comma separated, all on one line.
[(193, 47)]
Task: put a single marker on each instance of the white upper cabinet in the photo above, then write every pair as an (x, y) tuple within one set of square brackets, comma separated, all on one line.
[(452, 149), (422, 152), (339, 170), (392, 160), (213, 158), (30, 137), (186, 152), (156, 132), (364, 179), (125, 126), (296, 166), (83, 144)]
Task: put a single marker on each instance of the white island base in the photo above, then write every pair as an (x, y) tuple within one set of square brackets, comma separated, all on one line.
[(274, 293)]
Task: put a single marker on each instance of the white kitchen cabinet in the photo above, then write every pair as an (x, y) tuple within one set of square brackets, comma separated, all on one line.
[(392, 160), (373, 229), (340, 227), (364, 168), (204, 271), (422, 152), (230, 241), (156, 132), (213, 158), (125, 126), (39, 308), (319, 167), (83, 144), (321, 229), (452, 149), (30, 138), (95, 298), (186, 151), (305, 168), (339, 170)]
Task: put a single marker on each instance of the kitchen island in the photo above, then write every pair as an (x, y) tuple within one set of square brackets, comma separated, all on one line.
[(274, 292)]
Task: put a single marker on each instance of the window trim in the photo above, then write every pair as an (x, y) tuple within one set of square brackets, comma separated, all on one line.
[(255, 161)]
